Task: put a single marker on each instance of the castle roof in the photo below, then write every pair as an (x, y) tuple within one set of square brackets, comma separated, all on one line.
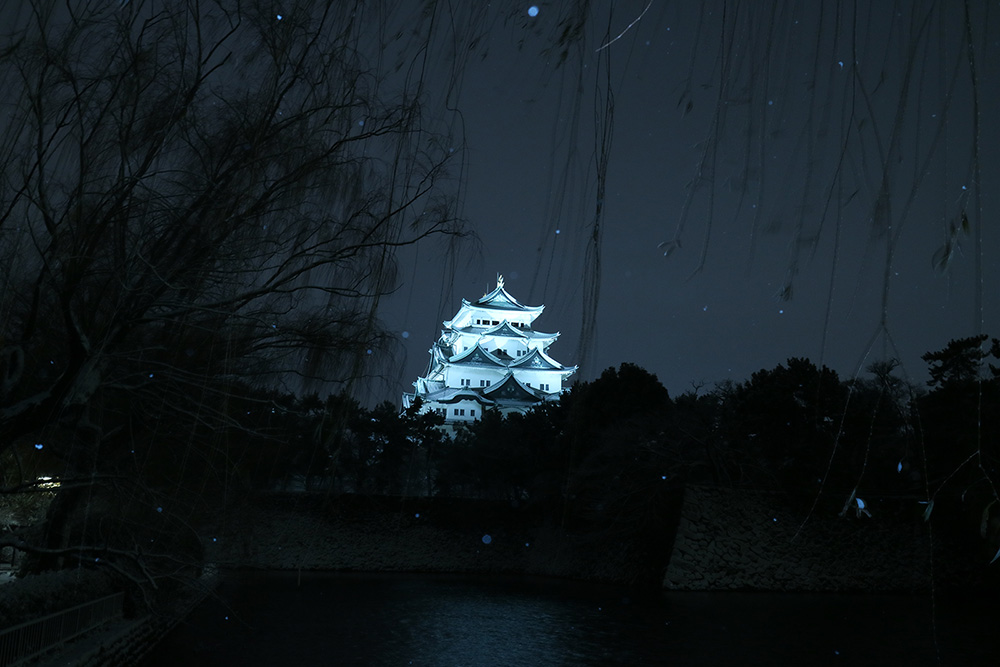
[(500, 299), (477, 355), (504, 329), (538, 360), (512, 390)]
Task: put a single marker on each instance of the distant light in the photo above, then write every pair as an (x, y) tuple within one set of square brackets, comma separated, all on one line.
[(487, 539), (533, 11)]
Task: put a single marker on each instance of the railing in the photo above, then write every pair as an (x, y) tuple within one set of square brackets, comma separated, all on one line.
[(28, 640)]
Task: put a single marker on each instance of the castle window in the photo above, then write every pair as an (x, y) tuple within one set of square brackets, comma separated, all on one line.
[(456, 412), (461, 412), (472, 413)]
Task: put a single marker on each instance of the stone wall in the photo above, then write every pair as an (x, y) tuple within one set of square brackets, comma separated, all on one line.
[(731, 539), (298, 531), (726, 539)]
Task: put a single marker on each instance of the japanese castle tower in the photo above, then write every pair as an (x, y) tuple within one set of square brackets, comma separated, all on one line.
[(489, 357)]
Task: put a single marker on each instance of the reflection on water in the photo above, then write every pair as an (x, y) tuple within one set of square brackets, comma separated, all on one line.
[(268, 619)]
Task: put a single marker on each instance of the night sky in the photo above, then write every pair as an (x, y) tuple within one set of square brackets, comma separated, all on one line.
[(756, 186)]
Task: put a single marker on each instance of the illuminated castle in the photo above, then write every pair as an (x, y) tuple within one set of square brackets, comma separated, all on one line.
[(489, 357)]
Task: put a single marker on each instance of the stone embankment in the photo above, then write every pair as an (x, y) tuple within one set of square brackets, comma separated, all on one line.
[(726, 539), (730, 539), (736, 539), (294, 532)]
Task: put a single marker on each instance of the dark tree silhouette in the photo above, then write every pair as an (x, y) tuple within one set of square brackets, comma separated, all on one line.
[(197, 197), (959, 423)]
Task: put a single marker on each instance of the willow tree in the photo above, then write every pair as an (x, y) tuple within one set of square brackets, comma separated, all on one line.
[(197, 197)]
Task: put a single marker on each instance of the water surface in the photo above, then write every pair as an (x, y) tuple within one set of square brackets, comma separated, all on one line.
[(371, 619)]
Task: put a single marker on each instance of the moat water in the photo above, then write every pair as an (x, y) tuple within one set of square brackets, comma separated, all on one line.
[(401, 619)]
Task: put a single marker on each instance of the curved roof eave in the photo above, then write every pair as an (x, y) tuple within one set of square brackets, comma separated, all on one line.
[(500, 299), (550, 364), (523, 389), (472, 351), (453, 395), (503, 329)]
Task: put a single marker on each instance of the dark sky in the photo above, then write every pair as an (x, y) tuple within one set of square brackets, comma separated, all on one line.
[(783, 177)]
